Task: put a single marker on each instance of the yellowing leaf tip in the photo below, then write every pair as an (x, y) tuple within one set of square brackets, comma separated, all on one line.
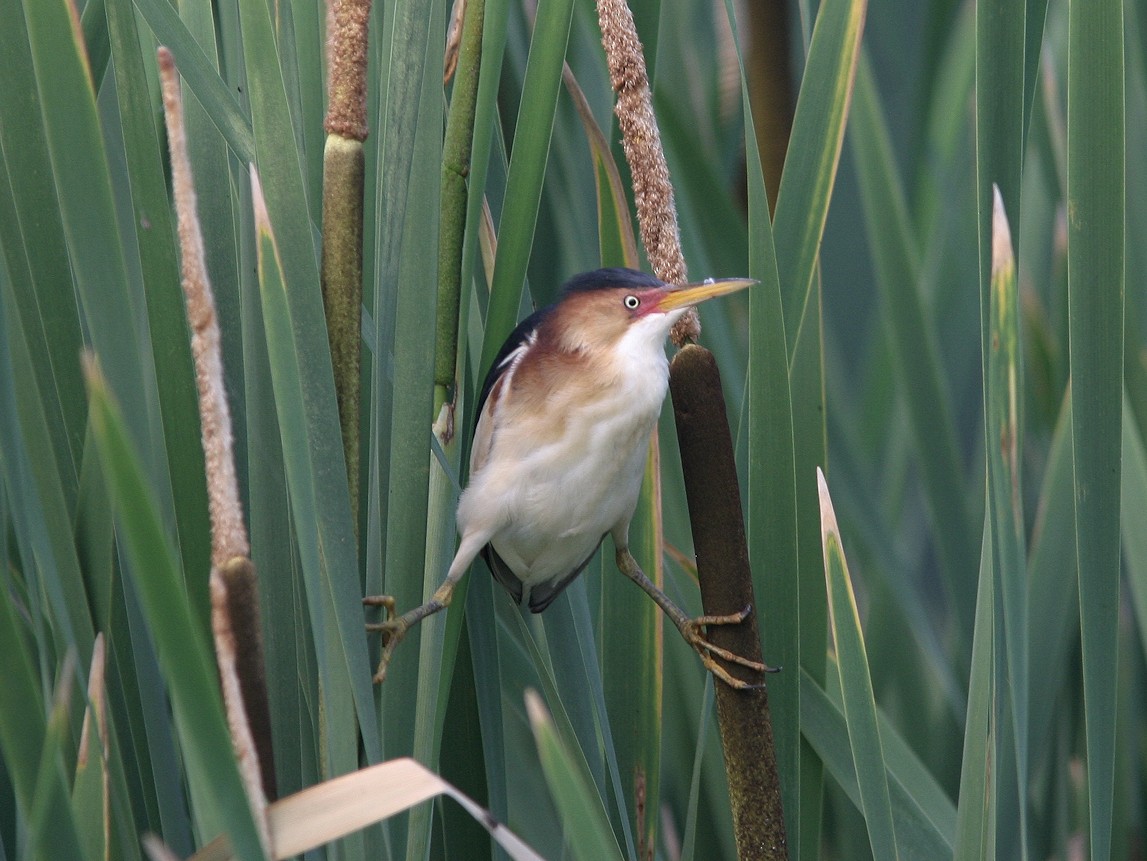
[(536, 709), (1003, 260), (258, 203), (828, 525)]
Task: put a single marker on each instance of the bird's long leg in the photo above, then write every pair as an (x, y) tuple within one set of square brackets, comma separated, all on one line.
[(394, 628), (693, 630)]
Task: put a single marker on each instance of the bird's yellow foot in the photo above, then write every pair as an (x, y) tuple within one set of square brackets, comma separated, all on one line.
[(694, 633), (393, 629)]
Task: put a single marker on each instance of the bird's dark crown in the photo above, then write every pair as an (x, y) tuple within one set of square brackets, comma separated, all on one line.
[(610, 279)]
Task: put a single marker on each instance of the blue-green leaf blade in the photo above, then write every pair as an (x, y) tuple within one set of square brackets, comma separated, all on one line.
[(527, 168), (184, 654), (813, 153), (1095, 264), (856, 687), (586, 823)]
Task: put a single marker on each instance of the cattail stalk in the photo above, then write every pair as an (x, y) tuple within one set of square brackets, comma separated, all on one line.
[(344, 177), (706, 458), (641, 140), (726, 582), (456, 151), (234, 590)]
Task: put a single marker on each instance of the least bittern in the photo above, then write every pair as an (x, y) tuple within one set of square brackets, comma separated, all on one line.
[(564, 421)]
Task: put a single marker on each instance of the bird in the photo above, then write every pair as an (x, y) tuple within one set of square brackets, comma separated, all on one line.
[(558, 452)]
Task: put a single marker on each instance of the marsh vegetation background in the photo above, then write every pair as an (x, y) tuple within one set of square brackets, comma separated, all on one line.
[(981, 427)]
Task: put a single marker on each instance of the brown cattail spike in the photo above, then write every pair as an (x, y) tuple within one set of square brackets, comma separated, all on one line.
[(228, 532), (652, 190), (347, 22)]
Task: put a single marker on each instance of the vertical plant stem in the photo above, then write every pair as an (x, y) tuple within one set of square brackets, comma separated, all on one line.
[(234, 586), (1096, 208), (771, 88), (1003, 396), (341, 275), (641, 139), (706, 456), (343, 185), (726, 586), (452, 218)]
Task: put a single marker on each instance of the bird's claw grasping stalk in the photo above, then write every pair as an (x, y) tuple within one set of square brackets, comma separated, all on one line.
[(393, 630), (694, 633), (693, 630), (386, 601)]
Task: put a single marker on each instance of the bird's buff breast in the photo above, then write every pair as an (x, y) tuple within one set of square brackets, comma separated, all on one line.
[(547, 505)]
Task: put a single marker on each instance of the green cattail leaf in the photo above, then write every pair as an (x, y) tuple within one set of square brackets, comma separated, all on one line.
[(303, 381), (202, 77), (1005, 503), (1134, 490), (527, 168), (325, 538), (184, 654), (922, 812), (912, 342), (975, 818), (813, 154), (1095, 272), (856, 688), (584, 820)]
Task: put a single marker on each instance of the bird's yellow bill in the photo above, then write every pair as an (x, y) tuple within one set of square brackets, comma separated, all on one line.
[(692, 294)]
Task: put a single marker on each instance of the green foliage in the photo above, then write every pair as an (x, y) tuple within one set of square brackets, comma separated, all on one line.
[(983, 695)]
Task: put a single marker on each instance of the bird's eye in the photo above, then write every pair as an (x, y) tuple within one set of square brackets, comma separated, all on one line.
[(631, 302)]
